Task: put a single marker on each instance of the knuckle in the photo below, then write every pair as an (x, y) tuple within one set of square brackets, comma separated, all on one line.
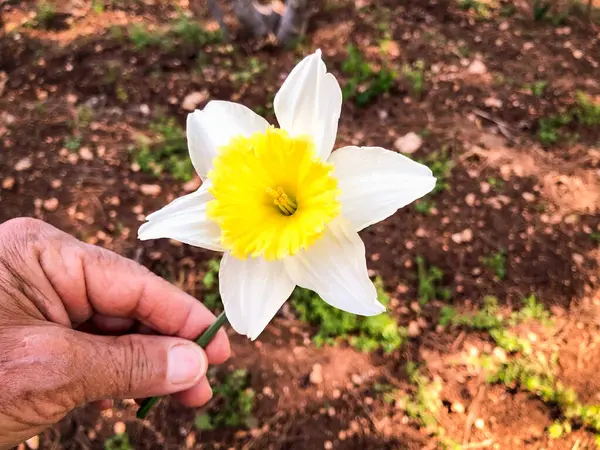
[(133, 368)]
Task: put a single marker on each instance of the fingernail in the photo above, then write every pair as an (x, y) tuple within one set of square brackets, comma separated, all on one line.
[(187, 363)]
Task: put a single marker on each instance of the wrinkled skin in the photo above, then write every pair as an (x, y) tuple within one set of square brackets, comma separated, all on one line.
[(69, 313)]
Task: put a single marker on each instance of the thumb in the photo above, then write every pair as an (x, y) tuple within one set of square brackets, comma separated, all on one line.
[(134, 366)]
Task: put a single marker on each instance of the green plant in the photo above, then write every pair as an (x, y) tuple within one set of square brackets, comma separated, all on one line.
[(496, 262), (595, 236), (192, 33), (233, 404), (252, 67), (364, 333), (549, 127), (429, 280), (98, 6), (169, 151), (531, 310), (440, 163), (479, 8), (45, 15), (364, 84), (73, 143), (423, 404), (537, 89), (415, 75), (586, 110), (118, 442), (424, 206), (211, 297), (541, 9), (142, 38)]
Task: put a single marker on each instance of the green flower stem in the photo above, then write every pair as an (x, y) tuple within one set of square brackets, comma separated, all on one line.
[(204, 339)]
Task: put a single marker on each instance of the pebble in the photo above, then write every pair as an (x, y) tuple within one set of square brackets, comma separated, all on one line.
[(316, 374), (413, 328), (119, 427), (328, 445), (578, 259), (493, 102), (8, 183), (51, 204), (470, 199), (484, 187), (577, 54), (458, 407), (479, 424), (33, 443), (86, 154), (150, 189), (528, 196), (23, 164), (356, 379), (192, 185), (192, 100), (409, 143), (56, 183), (145, 109), (477, 67)]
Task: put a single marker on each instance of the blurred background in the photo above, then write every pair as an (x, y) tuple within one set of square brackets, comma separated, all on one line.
[(491, 336)]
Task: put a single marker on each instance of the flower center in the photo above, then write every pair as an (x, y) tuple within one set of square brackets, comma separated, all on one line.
[(286, 205), (273, 196)]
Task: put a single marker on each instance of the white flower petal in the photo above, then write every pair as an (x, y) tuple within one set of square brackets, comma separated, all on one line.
[(252, 290), (184, 219), (214, 126), (335, 267), (310, 102), (376, 182)]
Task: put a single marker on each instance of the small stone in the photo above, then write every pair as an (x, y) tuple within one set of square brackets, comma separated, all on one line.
[(137, 209), (145, 109), (458, 407), (135, 167), (356, 379), (413, 328), (56, 183), (316, 374), (484, 187), (33, 443), (578, 259), (467, 235), (8, 183), (420, 232), (470, 199), (415, 307), (528, 196), (479, 424), (528, 46), (456, 238), (577, 54), (328, 445), (86, 154), (192, 185), (51, 204), (190, 440), (150, 189), (493, 102), (119, 428), (23, 164), (477, 67), (409, 143), (504, 26), (191, 101)]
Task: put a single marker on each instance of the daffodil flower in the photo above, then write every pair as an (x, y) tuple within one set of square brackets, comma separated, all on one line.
[(283, 208)]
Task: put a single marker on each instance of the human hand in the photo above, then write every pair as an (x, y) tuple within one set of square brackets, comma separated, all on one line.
[(59, 298)]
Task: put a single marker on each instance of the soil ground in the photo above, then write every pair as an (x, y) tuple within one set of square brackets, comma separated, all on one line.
[(505, 192)]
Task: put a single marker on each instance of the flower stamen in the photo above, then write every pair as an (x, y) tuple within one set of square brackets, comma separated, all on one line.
[(286, 205)]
